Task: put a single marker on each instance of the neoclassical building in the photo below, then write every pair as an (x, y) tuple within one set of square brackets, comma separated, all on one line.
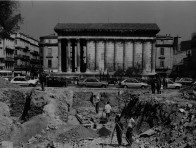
[(106, 47)]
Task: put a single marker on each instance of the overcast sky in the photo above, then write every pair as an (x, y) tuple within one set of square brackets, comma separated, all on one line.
[(175, 18)]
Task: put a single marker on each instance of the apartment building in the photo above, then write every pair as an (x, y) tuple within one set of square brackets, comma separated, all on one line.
[(26, 54), (7, 53), (164, 54), (49, 52)]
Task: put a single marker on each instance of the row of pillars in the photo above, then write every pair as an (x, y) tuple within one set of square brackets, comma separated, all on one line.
[(77, 52)]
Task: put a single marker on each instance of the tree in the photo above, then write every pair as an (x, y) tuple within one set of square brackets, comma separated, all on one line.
[(9, 18), (132, 71), (119, 72)]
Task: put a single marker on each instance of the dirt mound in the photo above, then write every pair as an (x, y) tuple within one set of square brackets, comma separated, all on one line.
[(4, 109), (6, 84), (104, 132), (5, 127), (28, 130), (78, 133)]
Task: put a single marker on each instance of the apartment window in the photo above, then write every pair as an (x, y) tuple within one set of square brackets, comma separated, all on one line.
[(162, 64), (49, 63), (162, 51), (49, 51)]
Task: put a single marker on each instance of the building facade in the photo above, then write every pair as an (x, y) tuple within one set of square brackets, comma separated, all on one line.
[(164, 54), (26, 54), (49, 53), (95, 48), (7, 53)]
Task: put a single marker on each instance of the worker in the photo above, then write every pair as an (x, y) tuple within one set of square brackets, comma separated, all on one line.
[(129, 133), (153, 84), (158, 84), (92, 98), (108, 109), (119, 129), (97, 104), (42, 79)]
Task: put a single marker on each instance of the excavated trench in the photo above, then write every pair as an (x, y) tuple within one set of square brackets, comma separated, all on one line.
[(162, 120)]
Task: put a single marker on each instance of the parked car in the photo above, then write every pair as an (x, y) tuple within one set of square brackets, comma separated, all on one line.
[(113, 81), (24, 81), (185, 81), (92, 82), (132, 83), (52, 81), (171, 84)]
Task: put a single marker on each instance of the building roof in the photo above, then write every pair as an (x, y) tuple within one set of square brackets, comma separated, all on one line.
[(103, 27), (51, 36)]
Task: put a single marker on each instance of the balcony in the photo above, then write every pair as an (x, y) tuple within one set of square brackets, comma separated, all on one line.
[(9, 58), (25, 57), (49, 56), (9, 48), (19, 46), (26, 49), (2, 64), (162, 57), (17, 56)]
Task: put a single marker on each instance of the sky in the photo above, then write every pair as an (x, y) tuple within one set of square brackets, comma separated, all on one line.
[(174, 18)]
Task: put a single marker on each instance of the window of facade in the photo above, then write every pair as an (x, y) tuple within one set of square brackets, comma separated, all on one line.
[(162, 64), (49, 63), (162, 51), (49, 51)]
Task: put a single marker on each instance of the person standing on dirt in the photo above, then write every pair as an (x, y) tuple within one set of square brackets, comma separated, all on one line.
[(92, 98), (108, 109), (129, 133), (119, 129), (158, 84), (153, 84), (97, 104), (42, 79)]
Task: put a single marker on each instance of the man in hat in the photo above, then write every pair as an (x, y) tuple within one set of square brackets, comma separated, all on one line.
[(129, 133), (119, 129)]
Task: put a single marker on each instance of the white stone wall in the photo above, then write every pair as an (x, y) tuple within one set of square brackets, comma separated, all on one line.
[(110, 55), (119, 55), (54, 57), (128, 54)]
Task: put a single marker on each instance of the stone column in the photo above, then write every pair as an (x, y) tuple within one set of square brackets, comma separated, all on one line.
[(78, 55), (153, 67), (87, 56), (68, 58), (143, 58), (105, 57), (59, 56), (114, 55), (133, 53), (124, 50), (96, 56)]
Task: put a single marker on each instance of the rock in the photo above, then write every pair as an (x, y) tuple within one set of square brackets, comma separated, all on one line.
[(181, 110), (33, 139), (148, 133), (7, 144)]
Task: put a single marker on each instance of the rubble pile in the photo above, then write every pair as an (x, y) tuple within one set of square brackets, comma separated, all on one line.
[(6, 84), (77, 134), (170, 122)]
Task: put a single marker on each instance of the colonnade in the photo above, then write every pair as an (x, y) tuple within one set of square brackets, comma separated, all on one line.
[(107, 54)]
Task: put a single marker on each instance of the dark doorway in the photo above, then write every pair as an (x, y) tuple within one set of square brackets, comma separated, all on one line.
[(63, 55)]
